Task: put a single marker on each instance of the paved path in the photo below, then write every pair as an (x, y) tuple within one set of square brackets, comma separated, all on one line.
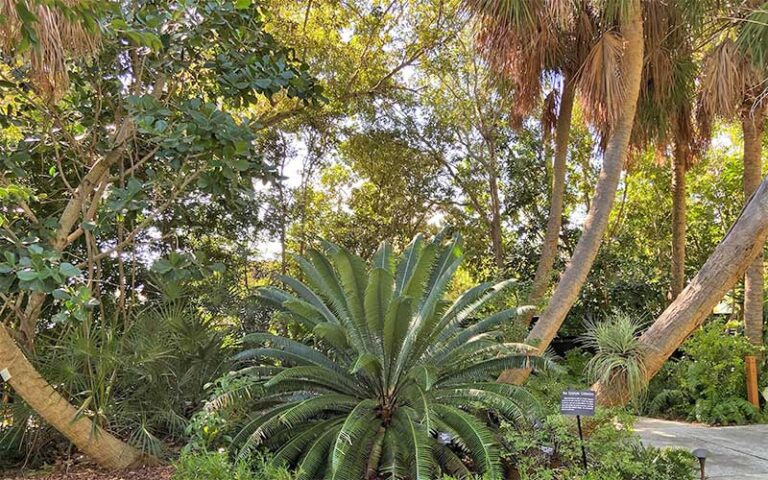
[(736, 453)]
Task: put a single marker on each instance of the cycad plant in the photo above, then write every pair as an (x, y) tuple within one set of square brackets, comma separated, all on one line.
[(394, 380)]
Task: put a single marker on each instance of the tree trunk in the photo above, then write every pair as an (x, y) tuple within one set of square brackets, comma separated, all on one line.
[(679, 195), (549, 248), (496, 234), (567, 291), (719, 274), (104, 448), (753, 124), (70, 217)]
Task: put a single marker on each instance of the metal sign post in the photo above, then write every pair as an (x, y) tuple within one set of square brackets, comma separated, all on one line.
[(577, 403)]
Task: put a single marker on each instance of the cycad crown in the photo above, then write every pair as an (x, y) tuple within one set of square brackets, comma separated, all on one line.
[(397, 382)]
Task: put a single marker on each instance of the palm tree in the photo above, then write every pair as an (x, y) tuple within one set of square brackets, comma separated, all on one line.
[(664, 118), (396, 380), (728, 87), (526, 47), (53, 34), (609, 81), (732, 88)]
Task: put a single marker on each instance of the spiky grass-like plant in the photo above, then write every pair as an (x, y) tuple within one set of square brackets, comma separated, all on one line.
[(394, 380), (618, 353)]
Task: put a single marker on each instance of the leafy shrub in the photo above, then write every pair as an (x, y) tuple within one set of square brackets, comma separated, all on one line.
[(142, 378), (551, 451), (394, 378), (218, 466), (567, 372), (708, 383)]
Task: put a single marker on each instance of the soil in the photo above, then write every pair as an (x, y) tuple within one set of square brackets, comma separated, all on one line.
[(91, 473)]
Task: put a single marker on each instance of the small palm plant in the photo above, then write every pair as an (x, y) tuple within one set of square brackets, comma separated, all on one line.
[(394, 381), (618, 353)]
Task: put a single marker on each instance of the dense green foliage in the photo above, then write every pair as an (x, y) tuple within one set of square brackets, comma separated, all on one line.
[(218, 466), (143, 377), (551, 450), (707, 383)]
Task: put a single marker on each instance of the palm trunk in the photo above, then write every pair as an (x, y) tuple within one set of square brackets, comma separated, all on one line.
[(102, 447), (567, 291), (678, 222), (743, 243), (753, 125), (549, 249)]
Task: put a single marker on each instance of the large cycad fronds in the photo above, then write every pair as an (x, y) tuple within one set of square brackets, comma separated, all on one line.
[(394, 380)]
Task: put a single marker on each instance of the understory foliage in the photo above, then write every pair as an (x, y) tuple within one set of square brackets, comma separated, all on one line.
[(218, 466), (550, 450), (391, 379), (141, 377), (707, 384)]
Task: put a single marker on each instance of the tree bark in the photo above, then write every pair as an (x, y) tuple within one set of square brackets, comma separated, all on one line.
[(105, 449), (679, 196), (753, 124), (67, 221), (741, 245), (496, 234), (543, 274), (567, 291)]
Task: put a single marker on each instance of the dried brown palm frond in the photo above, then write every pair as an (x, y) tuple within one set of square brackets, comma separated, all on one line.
[(58, 37), (515, 13), (549, 115), (601, 80), (518, 57), (665, 38), (725, 77), (563, 13), (585, 31)]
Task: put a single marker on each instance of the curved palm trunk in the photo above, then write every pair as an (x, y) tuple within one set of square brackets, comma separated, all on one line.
[(753, 125), (105, 449), (575, 274), (549, 249), (678, 222), (743, 243)]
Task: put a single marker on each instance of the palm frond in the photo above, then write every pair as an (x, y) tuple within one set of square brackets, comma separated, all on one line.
[(601, 79)]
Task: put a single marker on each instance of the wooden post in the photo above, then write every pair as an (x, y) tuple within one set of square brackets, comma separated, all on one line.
[(752, 391)]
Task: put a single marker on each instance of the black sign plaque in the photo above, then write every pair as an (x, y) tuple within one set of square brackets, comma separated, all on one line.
[(578, 402)]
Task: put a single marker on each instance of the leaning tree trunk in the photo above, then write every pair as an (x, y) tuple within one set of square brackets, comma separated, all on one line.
[(723, 269), (549, 248), (752, 124), (102, 447), (678, 221), (567, 291)]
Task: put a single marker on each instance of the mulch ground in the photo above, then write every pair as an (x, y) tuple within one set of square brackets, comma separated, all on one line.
[(87, 473)]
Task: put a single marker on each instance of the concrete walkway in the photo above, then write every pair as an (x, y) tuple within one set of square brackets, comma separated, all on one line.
[(736, 453)]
